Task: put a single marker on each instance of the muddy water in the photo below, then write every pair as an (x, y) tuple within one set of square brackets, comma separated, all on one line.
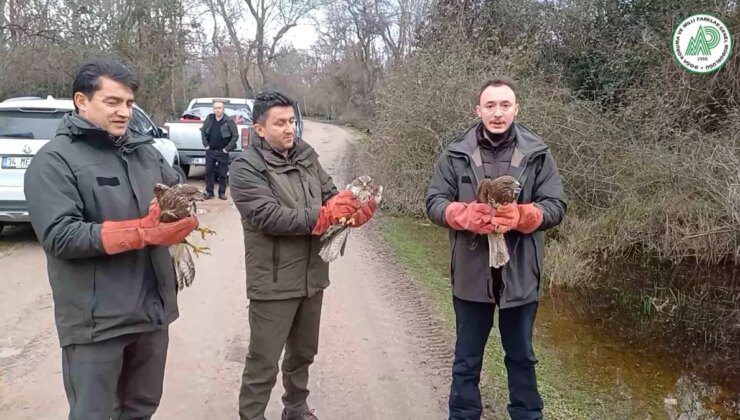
[(659, 385)]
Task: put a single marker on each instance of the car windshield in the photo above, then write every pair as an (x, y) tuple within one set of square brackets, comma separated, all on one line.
[(29, 124)]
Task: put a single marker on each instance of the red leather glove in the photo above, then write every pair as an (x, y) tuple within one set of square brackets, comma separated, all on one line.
[(363, 214), (127, 235), (341, 206), (530, 218), (475, 217), (505, 217)]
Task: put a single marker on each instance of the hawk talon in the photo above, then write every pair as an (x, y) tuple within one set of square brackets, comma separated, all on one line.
[(197, 249), (205, 231)]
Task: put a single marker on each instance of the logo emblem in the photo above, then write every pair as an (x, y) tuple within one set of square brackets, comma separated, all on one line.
[(27, 149), (702, 44)]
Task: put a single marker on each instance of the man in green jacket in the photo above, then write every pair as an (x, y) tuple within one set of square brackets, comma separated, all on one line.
[(89, 193), (286, 201)]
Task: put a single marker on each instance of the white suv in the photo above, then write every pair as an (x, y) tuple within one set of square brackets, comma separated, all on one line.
[(28, 123)]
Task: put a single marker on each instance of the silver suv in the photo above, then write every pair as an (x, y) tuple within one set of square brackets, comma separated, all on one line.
[(28, 123)]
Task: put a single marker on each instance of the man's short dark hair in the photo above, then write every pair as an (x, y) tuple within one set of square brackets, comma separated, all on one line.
[(88, 77), (267, 100), (498, 81)]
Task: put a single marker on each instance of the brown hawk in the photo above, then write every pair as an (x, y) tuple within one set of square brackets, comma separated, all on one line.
[(495, 192), (175, 203), (334, 240)]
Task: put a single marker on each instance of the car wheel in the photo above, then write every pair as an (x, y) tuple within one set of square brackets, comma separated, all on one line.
[(2, 226), (183, 172)]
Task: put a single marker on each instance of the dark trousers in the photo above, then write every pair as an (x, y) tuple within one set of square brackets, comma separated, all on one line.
[(119, 378), (292, 324), (474, 322), (217, 163)]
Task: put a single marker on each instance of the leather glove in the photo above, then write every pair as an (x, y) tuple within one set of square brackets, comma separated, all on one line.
[(475, 217), (341, 206), (530, 218), (127, 235), (505, 217), (363, 214)]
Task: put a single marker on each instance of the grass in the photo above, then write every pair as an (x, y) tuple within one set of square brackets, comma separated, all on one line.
[(568, 391)]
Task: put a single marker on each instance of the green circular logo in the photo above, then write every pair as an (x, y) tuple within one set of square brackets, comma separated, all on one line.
[(702, 44)]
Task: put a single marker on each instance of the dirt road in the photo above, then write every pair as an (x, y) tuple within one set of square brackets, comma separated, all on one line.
[(382, 353)]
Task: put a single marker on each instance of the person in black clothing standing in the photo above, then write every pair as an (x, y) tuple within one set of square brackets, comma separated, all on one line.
[(219, 135)]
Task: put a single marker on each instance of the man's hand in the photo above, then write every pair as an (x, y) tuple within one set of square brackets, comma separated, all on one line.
[(505, 217), (474, 217), (127, 235), (341, 206), (530, 218), (363, 214)]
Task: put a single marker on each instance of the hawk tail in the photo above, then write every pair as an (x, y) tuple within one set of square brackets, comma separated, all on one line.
[(498, 253)]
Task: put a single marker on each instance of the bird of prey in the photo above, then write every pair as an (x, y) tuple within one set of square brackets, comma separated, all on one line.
[(334, 240), (177, 202), (495, 192)]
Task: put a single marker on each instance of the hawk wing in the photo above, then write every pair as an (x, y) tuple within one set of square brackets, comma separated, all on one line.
[(184, 265), (333, 242)]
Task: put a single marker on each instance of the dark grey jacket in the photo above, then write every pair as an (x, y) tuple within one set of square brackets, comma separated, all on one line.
[(229, 131), (456, 176), (75, 183), (279, 200)]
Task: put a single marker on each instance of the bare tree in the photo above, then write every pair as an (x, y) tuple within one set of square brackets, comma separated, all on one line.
[(230, 14), (279, 16)]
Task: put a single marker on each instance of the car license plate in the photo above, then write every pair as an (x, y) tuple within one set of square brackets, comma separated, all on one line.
[(16, 162), (199, 161)]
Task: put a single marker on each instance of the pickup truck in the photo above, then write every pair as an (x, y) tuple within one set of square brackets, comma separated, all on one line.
[(28, 123), (185, 133)]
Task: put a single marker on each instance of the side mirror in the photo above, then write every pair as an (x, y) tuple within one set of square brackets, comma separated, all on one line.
[(162, 133)]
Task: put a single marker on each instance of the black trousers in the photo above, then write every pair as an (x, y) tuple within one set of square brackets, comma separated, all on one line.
[(474, 322), (119, 378), (217, 163)]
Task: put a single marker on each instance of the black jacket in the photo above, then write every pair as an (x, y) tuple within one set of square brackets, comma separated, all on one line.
[(229, 132), (75, 183), (456, 176)]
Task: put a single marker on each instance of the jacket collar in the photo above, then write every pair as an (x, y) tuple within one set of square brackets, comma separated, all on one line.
[(301, 153), (78, 128), (527, 142), (527, 145)]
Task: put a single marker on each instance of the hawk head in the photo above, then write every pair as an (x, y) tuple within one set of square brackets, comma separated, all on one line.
[(177, 202), (364, 188)]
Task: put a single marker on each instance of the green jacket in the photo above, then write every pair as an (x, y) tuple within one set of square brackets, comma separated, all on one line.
[(279, 200), (76, 182)]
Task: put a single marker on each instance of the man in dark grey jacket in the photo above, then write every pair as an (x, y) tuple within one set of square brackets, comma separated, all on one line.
[(89, 194), (219, 134), (287, 201), (495, 147)]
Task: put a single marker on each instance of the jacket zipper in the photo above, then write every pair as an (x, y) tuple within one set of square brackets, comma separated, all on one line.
[(310, 239)]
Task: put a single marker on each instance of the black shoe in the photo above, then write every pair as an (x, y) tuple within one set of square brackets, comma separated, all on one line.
[(222, 196), (208, 196)]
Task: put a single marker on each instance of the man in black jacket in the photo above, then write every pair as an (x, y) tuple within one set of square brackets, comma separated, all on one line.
[(494, 147), (89, 193), (219, 135)]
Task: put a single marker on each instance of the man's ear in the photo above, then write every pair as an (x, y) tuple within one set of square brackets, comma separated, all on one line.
[(260, 130), (81, 101)]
